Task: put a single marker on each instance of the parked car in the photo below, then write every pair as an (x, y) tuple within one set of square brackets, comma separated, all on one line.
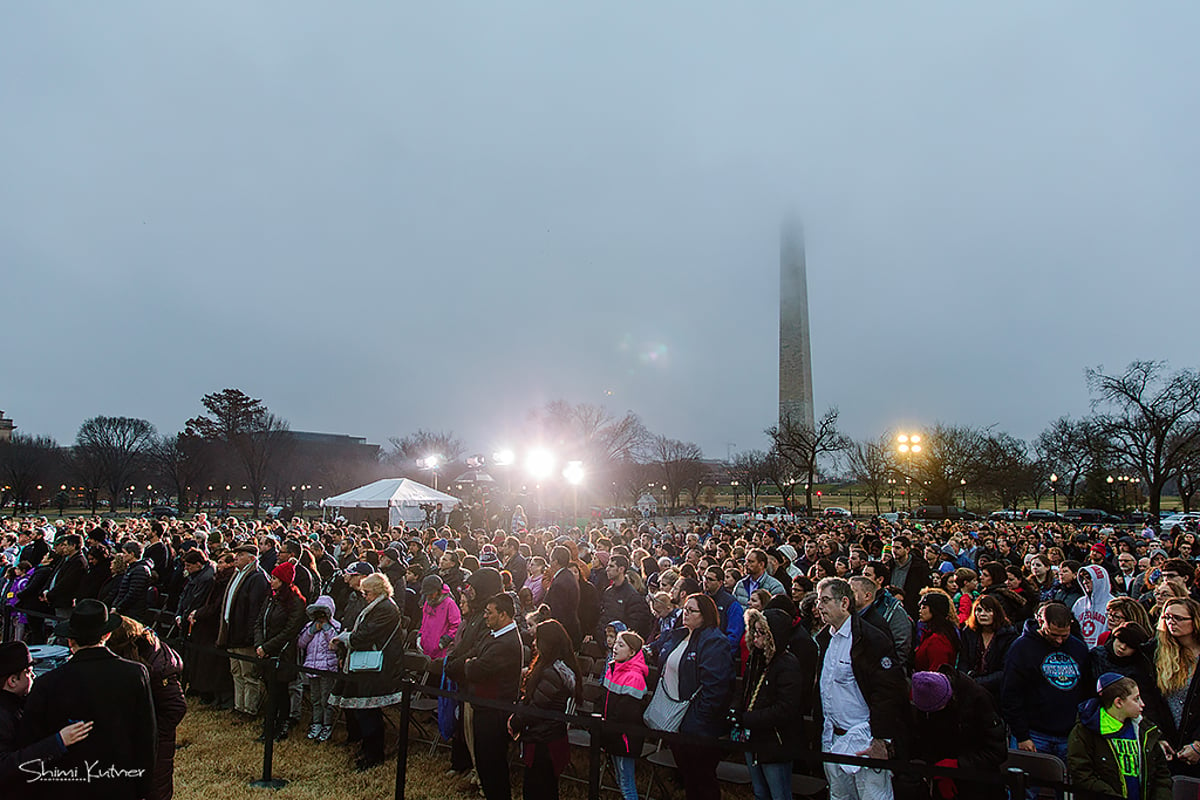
[(1090, 516), (1042, 515), (837, 512), (943, 512), (1174, 521), (1005, 515), (1140, 517), (774, 514), (895, 516), (163, 512)]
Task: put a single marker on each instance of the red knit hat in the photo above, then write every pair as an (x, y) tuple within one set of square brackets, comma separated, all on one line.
[(285, 572)]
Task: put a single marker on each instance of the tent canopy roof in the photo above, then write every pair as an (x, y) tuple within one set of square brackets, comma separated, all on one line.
[(390, 493)]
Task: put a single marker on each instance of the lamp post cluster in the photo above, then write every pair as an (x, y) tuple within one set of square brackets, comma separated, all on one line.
[(908, 445)]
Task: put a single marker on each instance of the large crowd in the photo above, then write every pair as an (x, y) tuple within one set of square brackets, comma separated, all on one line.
[(948, 643)]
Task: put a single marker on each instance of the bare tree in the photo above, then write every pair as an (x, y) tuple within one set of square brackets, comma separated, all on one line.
[(780, 472), (1005, 470), (749, 469), (260, 446), (1152, 420), (950, 455), (27, 462), (406, 450), (678, 465), (182, 461), (872, 463), (1069, 449), (116, 450), (804, 447)]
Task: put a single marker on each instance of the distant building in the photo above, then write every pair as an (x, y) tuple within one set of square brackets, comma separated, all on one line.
[(333, 462), (6, 428)]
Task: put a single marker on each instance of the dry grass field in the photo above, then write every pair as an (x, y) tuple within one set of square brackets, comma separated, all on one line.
[(219, 757)]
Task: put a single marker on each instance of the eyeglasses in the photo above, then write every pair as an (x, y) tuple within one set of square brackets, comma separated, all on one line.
[(690, 610), (1176, 618)]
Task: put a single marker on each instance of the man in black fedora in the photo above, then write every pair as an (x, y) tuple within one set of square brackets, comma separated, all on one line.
[(117, 759), (16, 679)]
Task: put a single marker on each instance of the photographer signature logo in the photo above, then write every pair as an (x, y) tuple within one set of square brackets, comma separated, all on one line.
[(37, 771)]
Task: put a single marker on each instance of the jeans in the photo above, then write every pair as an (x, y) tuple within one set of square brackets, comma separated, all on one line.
[(626, 769), (770, 781), (1050, 745)]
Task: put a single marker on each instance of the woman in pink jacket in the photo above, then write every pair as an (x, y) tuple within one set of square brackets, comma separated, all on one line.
[(440, 617)]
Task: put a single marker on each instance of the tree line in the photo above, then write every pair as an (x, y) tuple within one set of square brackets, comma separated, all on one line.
[(1142, 435)]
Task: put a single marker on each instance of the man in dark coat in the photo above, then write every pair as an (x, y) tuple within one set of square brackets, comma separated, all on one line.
[(910, 572), (131, 595), (492, 670), (33, 546), (563, 594), (621, 601), (68, 574), (240, 610), (514, 562), (158, 552), (16, 680), (96, 686)]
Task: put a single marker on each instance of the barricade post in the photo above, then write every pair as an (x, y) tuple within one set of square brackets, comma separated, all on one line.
[(402, 741), (266, 781)]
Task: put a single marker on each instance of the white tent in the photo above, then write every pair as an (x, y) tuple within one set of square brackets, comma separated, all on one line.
[(402, 498)]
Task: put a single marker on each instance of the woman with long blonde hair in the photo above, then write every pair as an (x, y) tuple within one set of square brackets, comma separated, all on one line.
[(1175, 659)]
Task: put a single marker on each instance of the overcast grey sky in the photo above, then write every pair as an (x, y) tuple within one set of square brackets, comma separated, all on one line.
[(441, 215)]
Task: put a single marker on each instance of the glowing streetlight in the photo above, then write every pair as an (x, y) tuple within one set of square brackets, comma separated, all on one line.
[(504, 458), (1054, 491), (573, 472), (539, 464), (431, 462)]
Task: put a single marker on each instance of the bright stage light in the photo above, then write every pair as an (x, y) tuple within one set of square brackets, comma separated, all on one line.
[(574, 472), (539, 464)]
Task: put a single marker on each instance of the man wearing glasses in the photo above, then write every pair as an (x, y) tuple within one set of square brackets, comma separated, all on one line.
[(863, 695)]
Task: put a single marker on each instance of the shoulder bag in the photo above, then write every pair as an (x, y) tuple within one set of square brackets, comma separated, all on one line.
[(369, 660)]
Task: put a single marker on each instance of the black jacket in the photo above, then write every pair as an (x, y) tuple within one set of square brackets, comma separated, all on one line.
[(159, 555), (131, 596), (880, 678), (563, 599), (985, 667), (493, 668), (773, 690), (67, 580), (518, 567), (625, 604), (968, 729), (283, 617), (115, 695), (195, 591), (94, 580), (551, 691), (248, 598), (13, 754)]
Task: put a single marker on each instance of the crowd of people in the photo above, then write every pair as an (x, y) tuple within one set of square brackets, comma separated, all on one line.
[(947, 643)]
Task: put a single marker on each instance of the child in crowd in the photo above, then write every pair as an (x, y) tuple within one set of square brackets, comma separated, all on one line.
[(1113, 750), (314, 645), (625, 688)]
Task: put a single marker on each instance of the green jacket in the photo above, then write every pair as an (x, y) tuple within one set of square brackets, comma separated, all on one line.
[(1092, 762)]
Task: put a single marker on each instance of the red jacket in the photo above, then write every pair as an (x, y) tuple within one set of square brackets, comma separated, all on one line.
[(934, 652)]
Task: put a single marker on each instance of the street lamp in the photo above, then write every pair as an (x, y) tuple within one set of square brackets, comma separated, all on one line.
[(963, 483), (908, 445), (733, 484), (431, 463), (1054, 491), (1112, 503), (573, 473), (891, 493)]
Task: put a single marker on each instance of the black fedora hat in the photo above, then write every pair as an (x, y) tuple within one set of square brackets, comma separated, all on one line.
[(88, 622)]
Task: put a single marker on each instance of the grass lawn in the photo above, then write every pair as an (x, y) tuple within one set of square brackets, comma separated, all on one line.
[(218, 758)]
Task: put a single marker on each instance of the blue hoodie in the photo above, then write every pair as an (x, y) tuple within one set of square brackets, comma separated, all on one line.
[(1044, 684)]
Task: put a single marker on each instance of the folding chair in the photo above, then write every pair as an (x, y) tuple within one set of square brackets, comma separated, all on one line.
[(416, 666), (1185, 788), (1041, 768)]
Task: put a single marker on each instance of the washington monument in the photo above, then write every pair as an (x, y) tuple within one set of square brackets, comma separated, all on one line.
[(795, 359)]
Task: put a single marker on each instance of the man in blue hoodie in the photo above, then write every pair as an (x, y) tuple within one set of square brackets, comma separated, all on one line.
[(1045, 680)]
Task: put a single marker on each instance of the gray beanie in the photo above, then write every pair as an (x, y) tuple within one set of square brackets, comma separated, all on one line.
[(431, 585)]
